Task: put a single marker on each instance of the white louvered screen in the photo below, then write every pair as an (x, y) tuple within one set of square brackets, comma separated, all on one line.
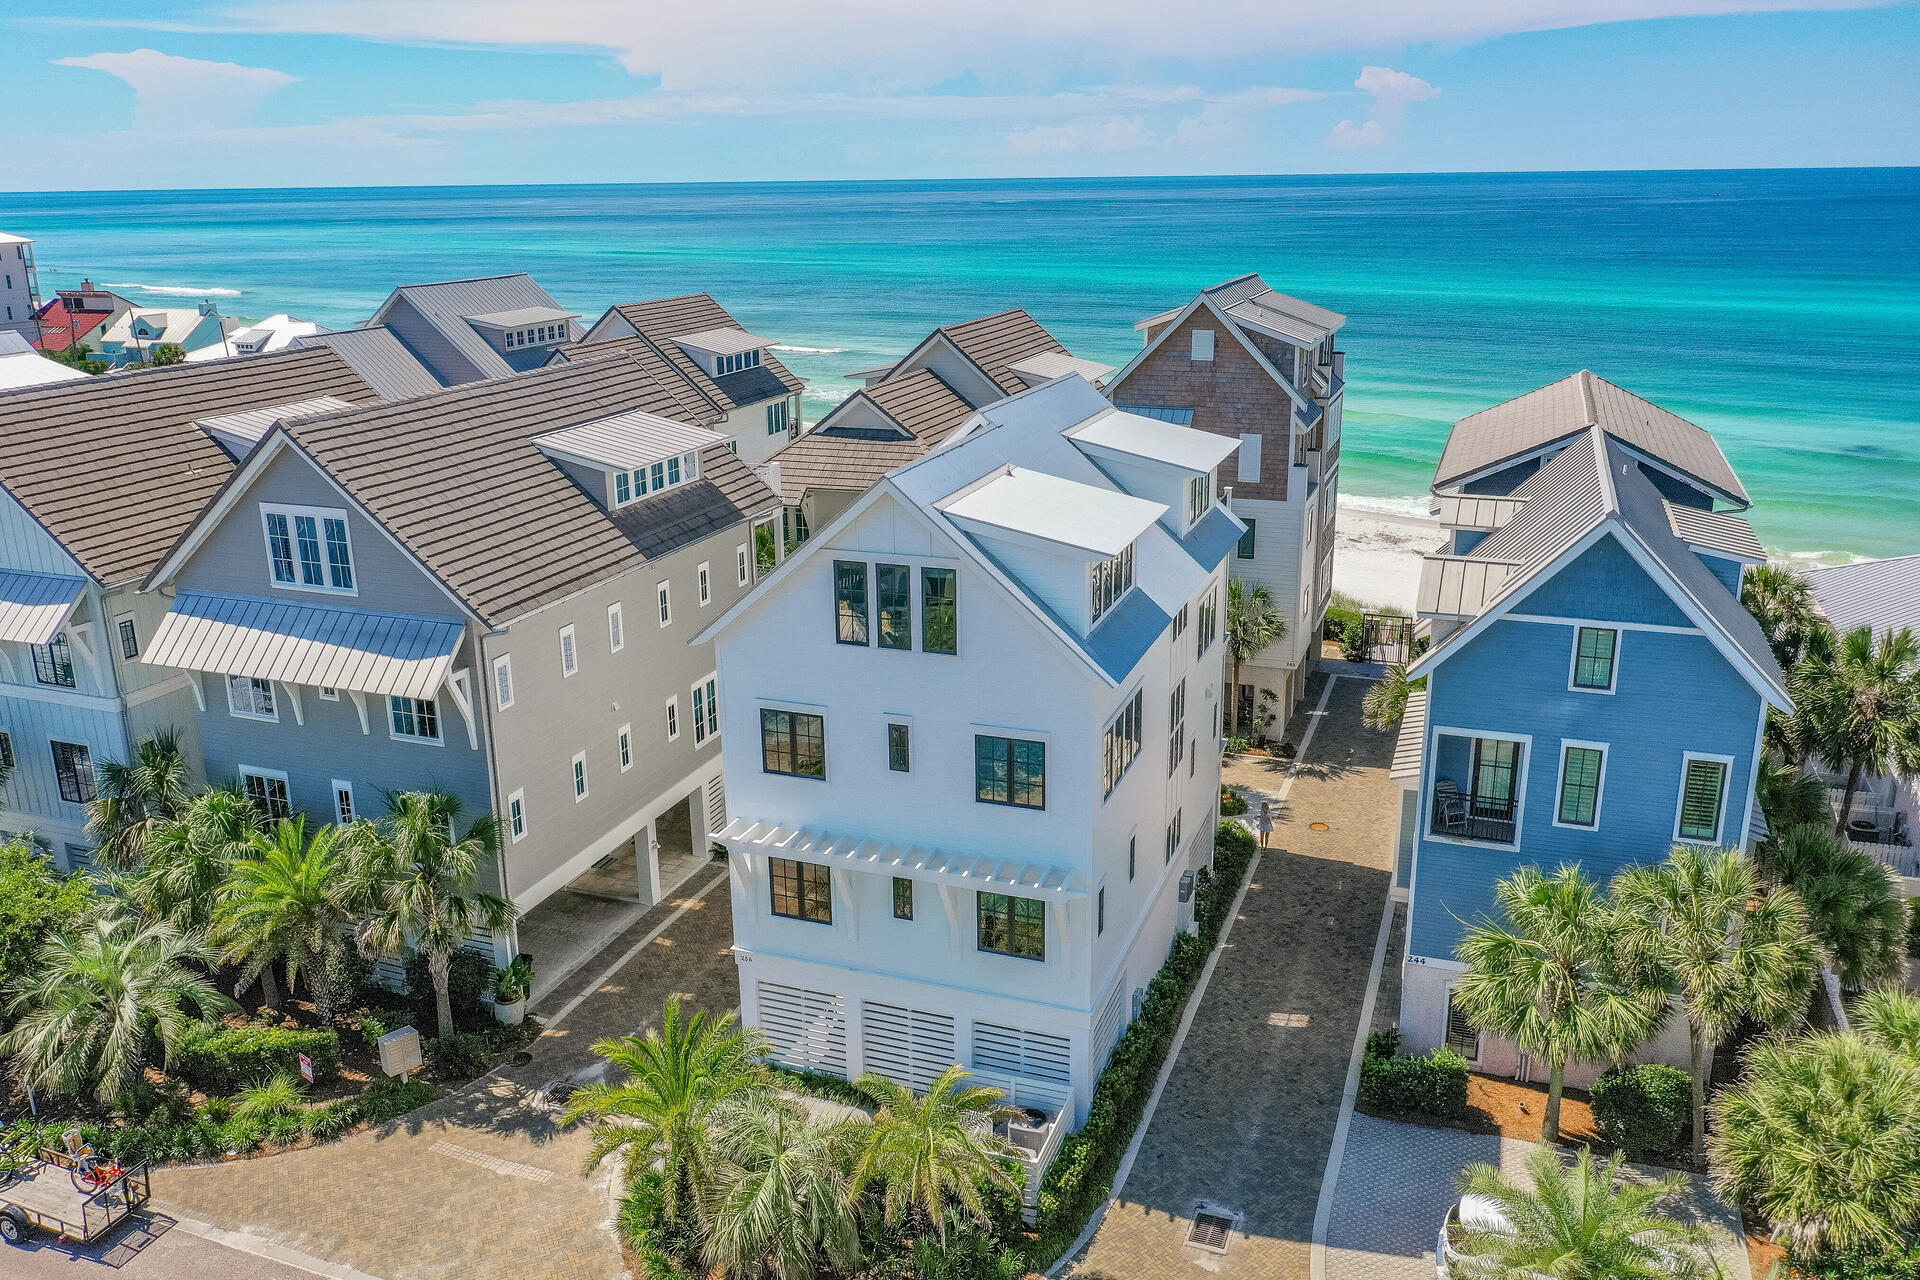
[(808, 1029), (1024, 1053), (1111, 1022), (716, 805), (908, 1046)]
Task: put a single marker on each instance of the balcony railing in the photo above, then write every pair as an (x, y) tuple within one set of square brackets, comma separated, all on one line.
[(1466, 816)]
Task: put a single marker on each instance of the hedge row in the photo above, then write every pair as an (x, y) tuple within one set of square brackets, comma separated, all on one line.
[(223, 1059), (1434, 1085), (1081, 1175), (1644, 1110)]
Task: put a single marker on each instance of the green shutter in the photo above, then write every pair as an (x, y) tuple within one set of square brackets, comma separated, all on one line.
[(1700, 799)]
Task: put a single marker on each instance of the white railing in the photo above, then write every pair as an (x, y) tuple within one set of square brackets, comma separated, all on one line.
[(1903, 860), (1037, 1144)]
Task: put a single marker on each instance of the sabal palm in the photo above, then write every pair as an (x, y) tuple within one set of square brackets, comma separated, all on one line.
[(782, 1204), (1857, 706), (96, 999), (1890, 1018), (139, 796), (677, 1076), (413, 885), (1822, 1134), (1253, 622), (1781, 601), (1585, 1222), (286, 901), (1548, 981), (188, 858), (935, 1148), (1700, 926), (1386, 701), (1789, 796), (1853, 903)]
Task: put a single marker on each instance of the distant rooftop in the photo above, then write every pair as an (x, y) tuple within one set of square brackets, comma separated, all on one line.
[(1882, 594)]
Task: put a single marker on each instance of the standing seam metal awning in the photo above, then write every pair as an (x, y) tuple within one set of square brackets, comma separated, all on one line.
[(392, 654), (34, 606)]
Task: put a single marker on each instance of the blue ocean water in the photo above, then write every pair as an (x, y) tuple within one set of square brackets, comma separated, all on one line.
[(1779, 309)]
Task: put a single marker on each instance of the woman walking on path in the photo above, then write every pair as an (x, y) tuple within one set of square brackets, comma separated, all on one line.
[(1264, 823)]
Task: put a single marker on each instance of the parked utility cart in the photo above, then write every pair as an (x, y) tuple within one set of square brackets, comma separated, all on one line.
[(62, 1196)]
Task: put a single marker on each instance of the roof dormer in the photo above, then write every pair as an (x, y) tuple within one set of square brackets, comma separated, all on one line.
[(524, 328), (631, 456), (1160, 461), (724, 351)]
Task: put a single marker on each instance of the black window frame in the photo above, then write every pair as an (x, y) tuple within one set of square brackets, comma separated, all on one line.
[(790, 740), (1009, 765), (1100, 911), (1244, 549), (1571, 789), (76, 768), (902, 898), (893, 605), (1007, 916), (7, 760), (1133, 852), (53, 663), (810, 887), (1581, 657), (899, 747), (849, 588), (129, 635), (939, 607)]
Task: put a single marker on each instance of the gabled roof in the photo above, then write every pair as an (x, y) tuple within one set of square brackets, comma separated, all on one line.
[(449, 305), (380, 359), (1164, 324), (1526, 425), (114, 467), (1882, 594), (997, 342), (1253, 302), (691, 405), (923, 409), (665, 319)]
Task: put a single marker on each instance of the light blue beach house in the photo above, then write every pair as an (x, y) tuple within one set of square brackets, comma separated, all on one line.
[(1595, 689)]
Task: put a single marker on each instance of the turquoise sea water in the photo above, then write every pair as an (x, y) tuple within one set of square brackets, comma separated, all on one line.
[(1779, 309)]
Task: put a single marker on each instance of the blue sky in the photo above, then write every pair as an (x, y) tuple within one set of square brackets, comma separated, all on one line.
[(202, 93)]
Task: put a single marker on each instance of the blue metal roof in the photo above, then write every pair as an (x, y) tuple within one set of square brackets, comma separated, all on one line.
[(1122, 637), (1209, 541)]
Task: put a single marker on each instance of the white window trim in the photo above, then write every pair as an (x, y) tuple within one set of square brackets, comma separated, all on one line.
[(577, 776), (673, 718), (320, 514), (238, 714), (569, 643), (701, 734), (742, 564), (663, 603), (1519, 787), (616, 628), (280, 774), (623, 746), (1600, 791), (703, 575), (1573, 662), (329, 694), (336, 787), (1680, 801), (440, 738), (516, 798), (503, 663)]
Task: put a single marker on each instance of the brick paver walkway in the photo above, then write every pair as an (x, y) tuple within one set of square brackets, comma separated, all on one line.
[(480, 1185), (1247, 1117)]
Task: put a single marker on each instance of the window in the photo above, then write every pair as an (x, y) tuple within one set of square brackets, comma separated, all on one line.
[(503, 681), (1461, 1036), (624, 740), (706, 585), (902, 898), (1012, 926), (1100, 911), (329, 694), (939, 620), (1133, 848), (622, 488), (1495, 763), (517, 816), (616, 628), (740, 564), (1180, 621), (899, 748), (1703, 792), (1199, 497), (343, 810), (6, 750), (73, 765), (801, 890), (53, 662), (308, 548), (776, 417), (1245, 551), (663, 596), (579, 767), (251, 698), (793, 743), (1177, 713), (1110, 582), (1593, 652), (1122, 742), (1209, 622), (414, 719), (1203, 344), (1011, 771), (706, 709), (1582, 766), (850, 601), (129, 636), (1173, 834), (569, 655), (267, 788), (673, 719)]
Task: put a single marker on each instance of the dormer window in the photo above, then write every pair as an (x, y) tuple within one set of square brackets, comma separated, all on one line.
[(1199, 497), (723, 365), (1111, 581), (631, 486), (308, 548)]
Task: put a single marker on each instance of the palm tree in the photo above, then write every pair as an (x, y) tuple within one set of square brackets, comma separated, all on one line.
[(287, 901), (1548, 981), (1253, 623), (1788, 795), (96, 998), (1386, 701), (1781, 601), (1584, 1223), (188, 858), (136, 799), (935, 1148), (781, 1201), (1699, 926), (677, 1075), (1857, 706), (413, 886), (1853, 902), (1889, 1017), (1822, 1134)]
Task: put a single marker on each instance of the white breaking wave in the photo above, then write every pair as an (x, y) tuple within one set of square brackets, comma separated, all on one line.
[(174, 290), (808, 351), (1414, 508)]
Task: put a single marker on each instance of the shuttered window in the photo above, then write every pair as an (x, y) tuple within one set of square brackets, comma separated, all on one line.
[(1022, 1053), (808, 1029), (908, 1046), (1461, 1036), (1702, 794)]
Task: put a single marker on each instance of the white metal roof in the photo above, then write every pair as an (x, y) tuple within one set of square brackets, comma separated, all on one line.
[(627, 440), (521, 317), (31, 369), (896, 858), (241, 431), (1145, 437), (392, 654), (723, 341), (1044, 366), (1882, 594), (1102, 521), (34, 606)]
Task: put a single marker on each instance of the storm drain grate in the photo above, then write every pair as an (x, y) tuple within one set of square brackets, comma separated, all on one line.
[(1210, 1231)]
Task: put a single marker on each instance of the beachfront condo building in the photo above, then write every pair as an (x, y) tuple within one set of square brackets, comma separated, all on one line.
[(1245, 362), (1595, 691), (98, 478), (731, 380), (969, 729), (908, 406), (484, 327), (488, 590), (19, 287)]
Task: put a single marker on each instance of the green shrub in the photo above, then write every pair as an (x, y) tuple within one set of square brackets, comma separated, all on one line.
[(457, 1057), (468, 977), (388, 1098), (269, 1098), (1644, 1110), (223, 1059), (1433, 1085), (1232, 805), (1913, 927), (324, 1124), (819, 1085), (243, 1133), (286, 1129), (1901, 1263), (1338, 620), (1353, 641)]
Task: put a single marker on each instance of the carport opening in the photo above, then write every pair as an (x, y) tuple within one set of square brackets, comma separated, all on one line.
[(1210, 1231)]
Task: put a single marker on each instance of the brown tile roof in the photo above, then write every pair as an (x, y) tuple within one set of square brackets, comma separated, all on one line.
[(833, 458), (664, 319), (455, 477), (115, 468), (1004, 338)]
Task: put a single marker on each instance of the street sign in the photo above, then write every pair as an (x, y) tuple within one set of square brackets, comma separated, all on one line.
[(306, 1068)]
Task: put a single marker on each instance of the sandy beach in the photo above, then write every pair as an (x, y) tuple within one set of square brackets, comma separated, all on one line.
[(1376, 557)]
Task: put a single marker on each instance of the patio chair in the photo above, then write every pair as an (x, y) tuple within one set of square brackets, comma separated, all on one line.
[(1450, 808)]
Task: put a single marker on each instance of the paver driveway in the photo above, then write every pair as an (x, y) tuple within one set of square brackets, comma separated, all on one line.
[(1248, 1115), (480, 1185)]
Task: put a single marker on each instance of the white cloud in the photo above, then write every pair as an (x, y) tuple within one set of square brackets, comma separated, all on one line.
[(174, 93), (1348, 134), (1108, 136), (1392, 91)]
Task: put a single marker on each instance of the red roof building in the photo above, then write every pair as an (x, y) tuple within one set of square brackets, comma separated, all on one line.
[(75, 315)]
